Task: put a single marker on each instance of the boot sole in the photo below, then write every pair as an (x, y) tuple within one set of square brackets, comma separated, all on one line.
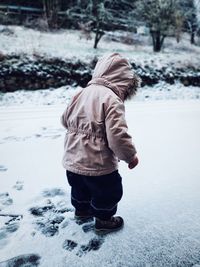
[(103, 231)]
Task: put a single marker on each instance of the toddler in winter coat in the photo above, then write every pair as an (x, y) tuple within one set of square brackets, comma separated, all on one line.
[(97, 139)]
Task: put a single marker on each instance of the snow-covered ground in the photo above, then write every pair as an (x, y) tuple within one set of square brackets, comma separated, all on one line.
[(71, 44), (161, 202), (160, 91)]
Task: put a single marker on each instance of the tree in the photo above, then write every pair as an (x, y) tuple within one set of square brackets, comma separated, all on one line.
[(189, 12), (178, 25), (159, 16), (93, 13), (51, 8), (101, 16)]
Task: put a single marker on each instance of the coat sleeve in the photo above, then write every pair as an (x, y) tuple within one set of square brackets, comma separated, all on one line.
[(119, 141)]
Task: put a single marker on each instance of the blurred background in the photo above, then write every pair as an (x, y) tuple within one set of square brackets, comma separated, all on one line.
[(53, 43)]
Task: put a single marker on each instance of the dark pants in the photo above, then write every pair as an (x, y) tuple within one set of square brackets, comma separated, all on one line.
[(100, 194)]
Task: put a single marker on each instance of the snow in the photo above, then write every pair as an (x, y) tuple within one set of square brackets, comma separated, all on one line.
[(161, 202), (197, 5), (160, 91), (70, 44)]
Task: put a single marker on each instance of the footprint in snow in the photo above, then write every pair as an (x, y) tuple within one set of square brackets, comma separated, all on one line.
[(69, 245), (19, 185), (5, 200), (88, 227), (26, 260), (9, 224), (3, 168), (56, 136), (49, 216), (48, 219), (93, 245), (53, 192), (11, 138)]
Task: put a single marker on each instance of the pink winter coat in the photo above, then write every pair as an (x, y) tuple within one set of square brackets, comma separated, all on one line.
[(97, 135)]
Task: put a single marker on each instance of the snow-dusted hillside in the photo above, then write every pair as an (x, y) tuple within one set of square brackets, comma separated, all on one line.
[(70, 44)]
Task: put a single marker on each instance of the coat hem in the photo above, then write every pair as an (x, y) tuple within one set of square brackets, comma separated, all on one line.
[(91, 172)]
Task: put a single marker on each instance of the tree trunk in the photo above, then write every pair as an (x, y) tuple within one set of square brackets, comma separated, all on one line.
[(158, 40), (51, 12), (98, 34), (96, 40), (192, 37)]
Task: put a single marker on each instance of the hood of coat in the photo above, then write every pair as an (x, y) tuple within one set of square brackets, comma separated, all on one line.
[(115, 72)]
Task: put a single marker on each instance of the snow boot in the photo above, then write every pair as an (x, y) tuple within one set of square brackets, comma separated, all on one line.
[(111, 225)]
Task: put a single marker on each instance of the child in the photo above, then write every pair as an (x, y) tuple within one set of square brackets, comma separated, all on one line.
[(97, 139)]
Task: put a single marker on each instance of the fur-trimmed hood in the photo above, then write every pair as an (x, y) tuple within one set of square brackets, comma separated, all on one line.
[(115, 72)]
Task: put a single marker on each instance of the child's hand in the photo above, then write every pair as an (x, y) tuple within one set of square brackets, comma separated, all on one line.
[(134, 162)]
